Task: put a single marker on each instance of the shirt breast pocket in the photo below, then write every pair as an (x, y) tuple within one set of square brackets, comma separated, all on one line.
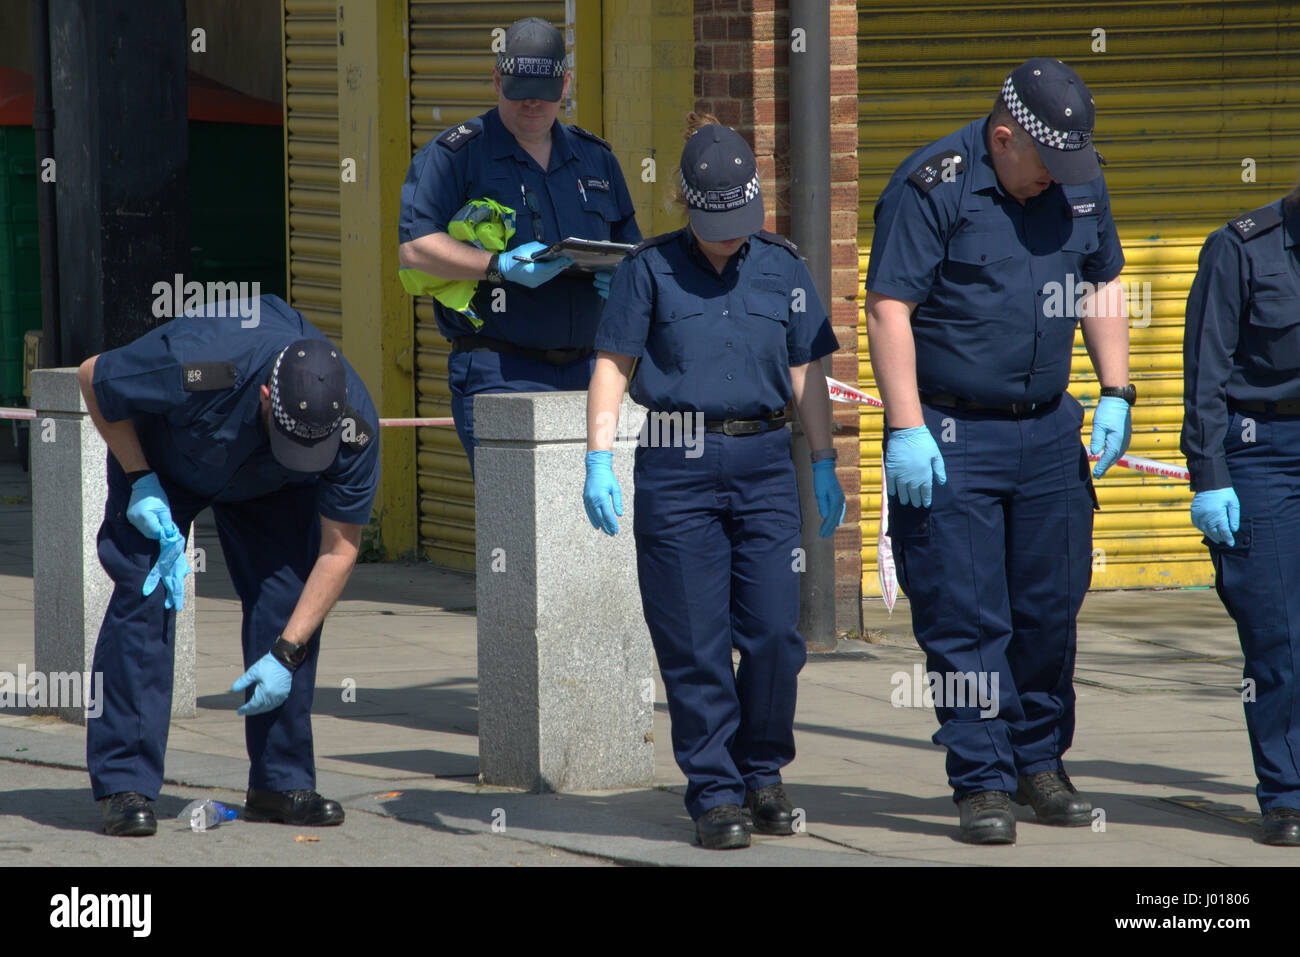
[(1275, 317), (769, 320), (675, 334), (1081, 244), (980, 273), (600, 213)]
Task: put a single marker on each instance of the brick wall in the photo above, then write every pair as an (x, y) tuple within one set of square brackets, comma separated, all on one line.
[(742, 65)]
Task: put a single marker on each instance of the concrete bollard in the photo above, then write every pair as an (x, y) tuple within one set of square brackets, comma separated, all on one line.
[(565, 663), (70, 587)]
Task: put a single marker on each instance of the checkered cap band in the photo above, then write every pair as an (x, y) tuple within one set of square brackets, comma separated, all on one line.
[(542, 66), (287, 422), (720, 200), (1045, 134)]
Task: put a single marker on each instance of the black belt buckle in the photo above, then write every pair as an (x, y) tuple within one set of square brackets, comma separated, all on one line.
[(1019, 409), (742, 426)]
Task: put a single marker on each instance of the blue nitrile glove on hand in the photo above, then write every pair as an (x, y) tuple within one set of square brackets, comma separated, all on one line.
[(149, 511), (601, 282), (600, 488), (1112, 428), (528, 274), (171, 568), (830, 497), (1217, 514), (912, 462), (272, 682)]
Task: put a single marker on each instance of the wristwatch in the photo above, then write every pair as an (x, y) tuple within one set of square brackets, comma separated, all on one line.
[(287, 653), (494, 269), (822, 454), (1128, 393)]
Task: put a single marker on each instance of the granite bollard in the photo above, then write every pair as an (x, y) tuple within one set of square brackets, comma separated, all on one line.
[(71, 589), (565, 663)]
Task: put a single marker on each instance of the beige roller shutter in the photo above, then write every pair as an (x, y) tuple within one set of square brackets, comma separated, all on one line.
[(451, 81), (1185, 93), (311, 132)]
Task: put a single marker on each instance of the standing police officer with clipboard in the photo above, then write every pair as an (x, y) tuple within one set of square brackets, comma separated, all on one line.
[(991, 525), (536, 323)]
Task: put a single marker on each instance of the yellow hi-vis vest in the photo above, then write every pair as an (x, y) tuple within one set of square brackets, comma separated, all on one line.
[(484, 223)]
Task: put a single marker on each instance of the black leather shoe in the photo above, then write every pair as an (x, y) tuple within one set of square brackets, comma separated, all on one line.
[(769, 811), (127, 814), (1281, 827), (986, 818), (722, 828), (1054, 799), (303, 808)]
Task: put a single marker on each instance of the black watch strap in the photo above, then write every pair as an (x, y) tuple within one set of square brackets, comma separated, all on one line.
[(1128, 393), (494, 269), (133, 477), (287, 653)]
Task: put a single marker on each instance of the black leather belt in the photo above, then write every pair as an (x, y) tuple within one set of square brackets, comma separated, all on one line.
[(746, 426), (1280, 407), (553, 357), (1017, 409)]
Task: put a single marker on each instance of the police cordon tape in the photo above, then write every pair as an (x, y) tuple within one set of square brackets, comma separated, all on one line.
[(6, 413)]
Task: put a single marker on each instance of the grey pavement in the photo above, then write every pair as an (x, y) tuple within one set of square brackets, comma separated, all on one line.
[(1160, 746)]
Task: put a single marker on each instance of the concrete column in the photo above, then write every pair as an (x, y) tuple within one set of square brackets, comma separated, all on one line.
[(565, 664), (71, 589)]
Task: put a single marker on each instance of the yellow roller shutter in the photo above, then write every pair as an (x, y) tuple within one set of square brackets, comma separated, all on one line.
[(1185, 92), (311, 133), (451, 81)]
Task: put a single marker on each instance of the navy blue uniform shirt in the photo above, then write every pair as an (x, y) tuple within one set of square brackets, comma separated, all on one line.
[(581, 194), (1242, 335), (192, 387), (979, 264), (722, 344)]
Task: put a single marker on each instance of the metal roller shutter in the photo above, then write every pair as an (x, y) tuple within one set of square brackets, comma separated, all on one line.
[(451, 81), (1185, 92), (311, 133)]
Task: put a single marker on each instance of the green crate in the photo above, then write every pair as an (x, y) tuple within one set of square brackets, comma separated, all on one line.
[(20, 259), (17, 174)]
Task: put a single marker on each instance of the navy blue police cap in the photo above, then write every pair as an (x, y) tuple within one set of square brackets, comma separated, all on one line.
[(309, 393), (532, 65), (1054, 106), (720, 184)]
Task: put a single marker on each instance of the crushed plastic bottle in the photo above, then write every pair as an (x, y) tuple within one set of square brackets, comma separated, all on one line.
[(205, 815)]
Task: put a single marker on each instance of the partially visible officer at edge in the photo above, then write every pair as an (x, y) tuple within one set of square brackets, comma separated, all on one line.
[(272, 428), (1241, 436), (561, 181), (992, 525)]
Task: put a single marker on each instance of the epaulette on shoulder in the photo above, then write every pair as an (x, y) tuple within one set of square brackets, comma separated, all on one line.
[(947, 165), (652, 241), (1257, 221), (357, 432), (781, 241), (592, 136), (457, 136)]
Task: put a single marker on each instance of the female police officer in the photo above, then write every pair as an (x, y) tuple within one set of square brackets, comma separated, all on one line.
[(1241, 436), (726, 330)]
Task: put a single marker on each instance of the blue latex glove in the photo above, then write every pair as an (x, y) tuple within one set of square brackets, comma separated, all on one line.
[(601, 282), (1217, 514), (171, 568), (149, 511), (912, 461), (527, 274), (1112, 428), (830, 497), (270, 681), (600, 488)]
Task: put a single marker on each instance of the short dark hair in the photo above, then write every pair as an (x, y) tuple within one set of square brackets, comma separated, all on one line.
[(1000, 115)]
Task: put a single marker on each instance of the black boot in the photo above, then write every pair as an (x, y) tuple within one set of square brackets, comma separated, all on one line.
[(128, 814), (1054, 799), (722, 828), (769, 811), (302, 808), (1281, 827), (986, 818)]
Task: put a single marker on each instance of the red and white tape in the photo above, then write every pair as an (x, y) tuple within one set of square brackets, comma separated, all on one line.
[(384, 423)]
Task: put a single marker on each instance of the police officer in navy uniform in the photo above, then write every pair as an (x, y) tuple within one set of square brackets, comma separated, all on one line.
[(1241, 436), (269, 425), (983, 239), (725, 327), (562, 181)]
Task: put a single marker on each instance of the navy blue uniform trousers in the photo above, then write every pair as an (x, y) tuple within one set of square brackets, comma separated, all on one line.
[(996, 571), (1258, 581), (470, 373), (270, 545), (716, 543)]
